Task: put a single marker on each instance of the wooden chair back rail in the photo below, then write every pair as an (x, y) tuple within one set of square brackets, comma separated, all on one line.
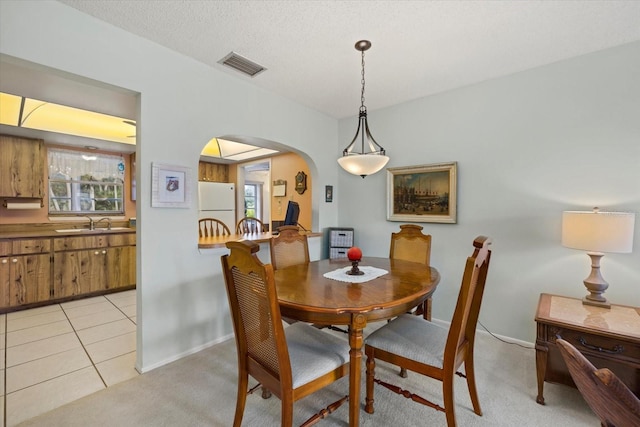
[(289, 247), (609, 398), (421, 334), (410, 244), (261, 340), (211, 227), (249, 225)]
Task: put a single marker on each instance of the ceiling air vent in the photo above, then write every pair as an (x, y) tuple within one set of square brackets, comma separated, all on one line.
[(242, 64)]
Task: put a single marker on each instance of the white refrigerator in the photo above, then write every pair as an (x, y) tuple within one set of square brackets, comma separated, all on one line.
[(218, 200)]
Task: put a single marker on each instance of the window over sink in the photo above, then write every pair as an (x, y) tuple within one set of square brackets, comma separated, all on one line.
[(81, 182)]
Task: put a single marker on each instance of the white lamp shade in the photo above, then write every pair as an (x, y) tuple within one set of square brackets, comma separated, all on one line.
[(363, 164), (598, 231)]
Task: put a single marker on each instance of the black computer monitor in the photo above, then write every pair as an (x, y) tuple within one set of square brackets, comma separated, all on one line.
[(293, 211)]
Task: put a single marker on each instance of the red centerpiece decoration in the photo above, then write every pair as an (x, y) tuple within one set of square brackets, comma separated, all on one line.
[(355, 255)]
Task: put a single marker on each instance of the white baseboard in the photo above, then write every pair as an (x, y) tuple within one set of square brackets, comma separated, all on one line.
[(184, 354), (481, 330)]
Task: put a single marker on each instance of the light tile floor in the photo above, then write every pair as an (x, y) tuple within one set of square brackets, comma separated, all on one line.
[(50, 356)]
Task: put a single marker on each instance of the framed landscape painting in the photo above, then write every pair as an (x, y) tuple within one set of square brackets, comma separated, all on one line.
[(425, 193)]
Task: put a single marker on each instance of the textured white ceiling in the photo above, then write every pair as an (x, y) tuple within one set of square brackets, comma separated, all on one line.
[(418, 47)]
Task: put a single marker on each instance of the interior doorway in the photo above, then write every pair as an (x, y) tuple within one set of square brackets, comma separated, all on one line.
[(253, 190)]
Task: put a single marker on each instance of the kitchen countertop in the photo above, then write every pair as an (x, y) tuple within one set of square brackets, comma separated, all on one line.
[(35, 234), (203, 242), (220, 241)]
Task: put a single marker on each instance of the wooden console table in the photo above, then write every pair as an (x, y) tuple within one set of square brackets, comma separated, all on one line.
[(607, 337)]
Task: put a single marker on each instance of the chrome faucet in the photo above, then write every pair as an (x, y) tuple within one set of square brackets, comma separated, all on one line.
[(92, 225), (103, 219)]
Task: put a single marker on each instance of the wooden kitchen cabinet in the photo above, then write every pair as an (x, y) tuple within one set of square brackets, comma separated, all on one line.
[(121, 261), (121, 267), (213, 172), (93, 264), (38, 271), (25, 274), (22, 163), (5, 249), (79, 272)]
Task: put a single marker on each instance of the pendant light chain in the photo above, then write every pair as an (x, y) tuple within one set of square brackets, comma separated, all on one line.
[(362, 107), (371, 157)]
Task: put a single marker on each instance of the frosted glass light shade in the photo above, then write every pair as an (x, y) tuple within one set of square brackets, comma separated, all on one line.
[(363, 164), (598, 231)]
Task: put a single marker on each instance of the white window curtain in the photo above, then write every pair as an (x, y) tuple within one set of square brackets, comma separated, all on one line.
[(74, 164), (85, 182)]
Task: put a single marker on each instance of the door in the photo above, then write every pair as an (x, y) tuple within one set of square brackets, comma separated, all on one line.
[(5, 281), (121, 267), (21, 167), (79, 272), (29, 279)]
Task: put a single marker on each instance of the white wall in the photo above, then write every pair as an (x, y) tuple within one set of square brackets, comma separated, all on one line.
[(182, 304), (528, 146)]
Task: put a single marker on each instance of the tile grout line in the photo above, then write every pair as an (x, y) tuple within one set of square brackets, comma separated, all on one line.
[(83, 347), (75, 332)]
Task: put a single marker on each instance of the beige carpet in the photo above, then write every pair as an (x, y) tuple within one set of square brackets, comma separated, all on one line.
[(200, 390)]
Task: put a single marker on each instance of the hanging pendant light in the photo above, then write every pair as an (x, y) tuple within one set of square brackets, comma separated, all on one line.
[(363, 162)]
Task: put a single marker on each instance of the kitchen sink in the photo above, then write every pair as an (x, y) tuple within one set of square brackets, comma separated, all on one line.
[(86, 230)]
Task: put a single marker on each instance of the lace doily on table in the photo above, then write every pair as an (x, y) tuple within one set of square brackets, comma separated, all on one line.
[(341, 275)]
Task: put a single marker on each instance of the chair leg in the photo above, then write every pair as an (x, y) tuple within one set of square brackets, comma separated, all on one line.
[(471, 383), (403, 372), (243, 382), (287, 411), (371, 366), (266, 393), (449, 400)]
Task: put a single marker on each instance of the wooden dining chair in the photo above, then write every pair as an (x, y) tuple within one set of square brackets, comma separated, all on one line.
[(291, 362), (410, 244), (250, 225), (608, 397), (426, 348), (211, 227), (289, 247)]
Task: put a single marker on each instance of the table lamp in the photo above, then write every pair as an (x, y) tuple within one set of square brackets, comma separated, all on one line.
[(597, 232)]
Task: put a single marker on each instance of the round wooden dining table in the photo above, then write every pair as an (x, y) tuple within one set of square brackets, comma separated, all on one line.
[(305, 294)]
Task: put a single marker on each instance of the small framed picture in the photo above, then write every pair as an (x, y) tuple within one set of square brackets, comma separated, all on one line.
[(279, 188), (170, 186), (424, 193), (328, 193)]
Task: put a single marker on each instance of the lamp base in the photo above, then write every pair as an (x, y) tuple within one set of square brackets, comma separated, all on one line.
[(603, 304), (595, 283)]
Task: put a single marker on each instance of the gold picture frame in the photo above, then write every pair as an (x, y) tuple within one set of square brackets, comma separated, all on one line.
[(425, 193)]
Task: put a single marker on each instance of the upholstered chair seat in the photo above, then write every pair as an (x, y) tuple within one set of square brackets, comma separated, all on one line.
[(313, 352), (413, 338)]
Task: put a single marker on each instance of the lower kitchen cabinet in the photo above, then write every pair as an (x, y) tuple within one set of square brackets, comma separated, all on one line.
[(109, 265), (79, 272), (36, 271), (121, 267), (25, 273), (25, 279)]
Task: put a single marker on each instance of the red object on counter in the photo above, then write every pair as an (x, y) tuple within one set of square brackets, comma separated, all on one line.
[(354, 254)]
